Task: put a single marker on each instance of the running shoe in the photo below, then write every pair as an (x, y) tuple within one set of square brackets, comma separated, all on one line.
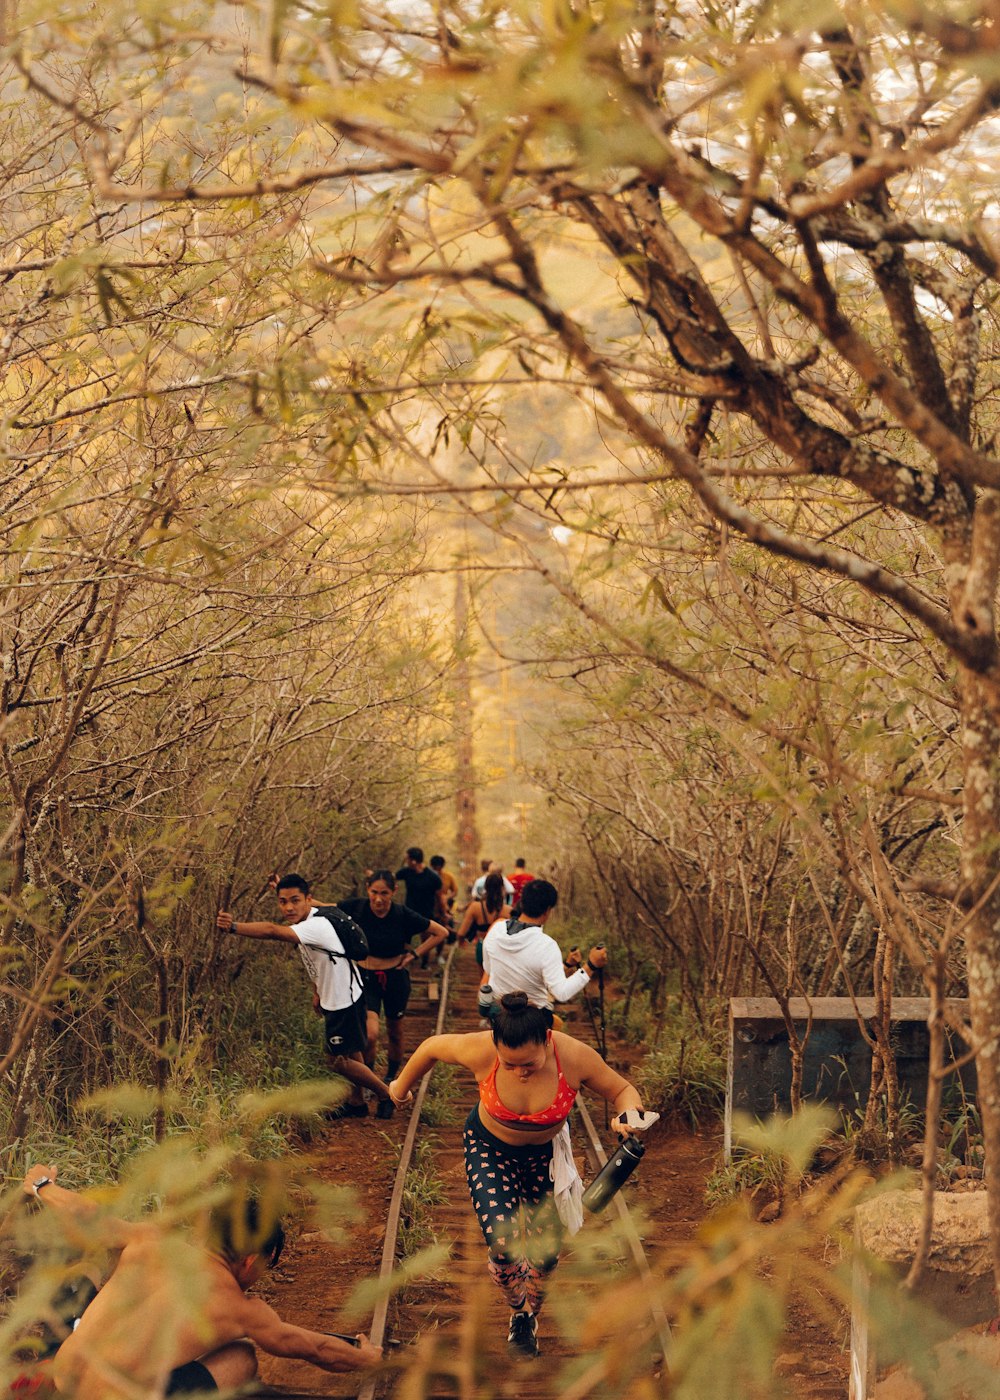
[(522, 1338), (347, 1110)]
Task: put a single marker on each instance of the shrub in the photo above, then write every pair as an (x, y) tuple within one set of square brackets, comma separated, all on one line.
[(686, 1078), (636, 1025), (749, 1170)]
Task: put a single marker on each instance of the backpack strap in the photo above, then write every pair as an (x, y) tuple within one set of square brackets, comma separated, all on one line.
[(343, 957), (330, 913)]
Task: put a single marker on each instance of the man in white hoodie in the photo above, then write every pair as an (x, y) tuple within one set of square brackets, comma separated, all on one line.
[(518, 956)]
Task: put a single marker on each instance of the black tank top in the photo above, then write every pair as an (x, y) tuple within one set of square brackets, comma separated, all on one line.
[(490, 918)]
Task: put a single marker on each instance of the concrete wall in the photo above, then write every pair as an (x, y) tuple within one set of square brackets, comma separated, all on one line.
[(837, 1061)]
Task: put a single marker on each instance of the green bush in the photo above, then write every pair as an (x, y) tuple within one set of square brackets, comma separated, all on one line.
[(685, 1078), (749, 1170), (634, 1023), (773, 1154)]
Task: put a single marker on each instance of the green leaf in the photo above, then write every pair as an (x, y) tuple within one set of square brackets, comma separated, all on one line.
[(794, 1138)]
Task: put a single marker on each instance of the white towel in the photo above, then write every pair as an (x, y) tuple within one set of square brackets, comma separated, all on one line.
[(566, 1179)]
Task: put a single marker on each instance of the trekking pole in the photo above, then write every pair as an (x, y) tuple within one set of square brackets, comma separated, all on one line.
[(589, 1004), (600, 1004), (603, 1036)]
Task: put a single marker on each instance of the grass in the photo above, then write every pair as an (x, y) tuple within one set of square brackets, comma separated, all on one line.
[(962, 1134), (438, 1109), (748, 1172), (424, 1190), (685, 1079), (874, 1143)]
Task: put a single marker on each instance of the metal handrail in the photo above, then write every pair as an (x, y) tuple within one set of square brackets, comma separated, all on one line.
[(388, 1262), (634, 1242)]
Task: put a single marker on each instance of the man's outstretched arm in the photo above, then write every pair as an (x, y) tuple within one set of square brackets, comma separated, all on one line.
[(557, 984), (279, 1338), (40, 1182), (260, 929)]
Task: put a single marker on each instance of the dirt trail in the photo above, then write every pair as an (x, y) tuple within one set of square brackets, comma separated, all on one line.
[(315, 1276)]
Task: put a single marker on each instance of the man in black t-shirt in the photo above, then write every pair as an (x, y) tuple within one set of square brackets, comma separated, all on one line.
[(390, 929), (424, 889), (423, 885)]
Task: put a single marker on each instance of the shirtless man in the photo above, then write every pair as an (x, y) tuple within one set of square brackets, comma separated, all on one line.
[(173, 1318)]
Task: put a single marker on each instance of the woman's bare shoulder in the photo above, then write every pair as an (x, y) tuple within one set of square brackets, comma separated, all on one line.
[(574, 1052)]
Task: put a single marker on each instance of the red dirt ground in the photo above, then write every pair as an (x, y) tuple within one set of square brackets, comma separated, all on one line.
[(315, 1276), (309, 1285)]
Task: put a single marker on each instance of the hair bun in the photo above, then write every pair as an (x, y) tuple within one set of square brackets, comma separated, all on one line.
[(514, 1001)]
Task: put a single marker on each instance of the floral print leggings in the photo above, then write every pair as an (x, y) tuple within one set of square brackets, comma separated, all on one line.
[(511, 1192)]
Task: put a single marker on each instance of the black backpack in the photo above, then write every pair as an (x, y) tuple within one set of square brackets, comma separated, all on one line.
[(350, 934)]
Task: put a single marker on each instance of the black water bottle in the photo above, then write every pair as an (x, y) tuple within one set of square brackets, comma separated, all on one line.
[(613, 1175)]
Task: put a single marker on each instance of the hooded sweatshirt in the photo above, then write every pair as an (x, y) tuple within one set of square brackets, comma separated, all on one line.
[(528, 961)]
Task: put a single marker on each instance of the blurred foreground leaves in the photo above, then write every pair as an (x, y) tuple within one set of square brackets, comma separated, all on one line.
[(729, 1295)]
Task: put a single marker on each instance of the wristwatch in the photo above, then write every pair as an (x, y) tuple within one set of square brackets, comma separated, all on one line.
[(36, 1186)]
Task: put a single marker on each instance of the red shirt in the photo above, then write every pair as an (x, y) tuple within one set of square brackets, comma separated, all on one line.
[(519, 879)]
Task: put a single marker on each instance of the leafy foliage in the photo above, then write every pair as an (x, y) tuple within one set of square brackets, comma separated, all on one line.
[(685, 1079), (709, 291)]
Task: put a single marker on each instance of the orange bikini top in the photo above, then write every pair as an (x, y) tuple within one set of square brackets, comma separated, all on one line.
[(556, 1113)]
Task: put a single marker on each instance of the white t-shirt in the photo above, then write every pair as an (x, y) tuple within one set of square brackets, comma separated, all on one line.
[(337, 980), (479, 887), (528, 961)]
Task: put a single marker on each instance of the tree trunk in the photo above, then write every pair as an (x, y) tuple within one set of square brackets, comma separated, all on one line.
[(981, 753)]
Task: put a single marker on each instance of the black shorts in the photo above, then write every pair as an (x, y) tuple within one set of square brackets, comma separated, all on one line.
[(388, 990), (345, 1031), (193, 1378)]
